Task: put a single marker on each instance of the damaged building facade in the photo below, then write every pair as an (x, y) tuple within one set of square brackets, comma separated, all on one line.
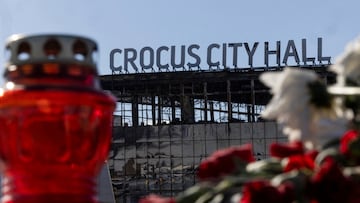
[(166, 123)]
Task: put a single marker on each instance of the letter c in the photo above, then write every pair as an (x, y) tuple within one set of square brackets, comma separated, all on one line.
[(112, 62)]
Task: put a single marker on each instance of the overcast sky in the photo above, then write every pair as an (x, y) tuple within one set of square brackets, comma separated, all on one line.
[(154, 23)]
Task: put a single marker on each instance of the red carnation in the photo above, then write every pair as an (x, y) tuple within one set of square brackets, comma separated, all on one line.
[(328, 184), (312, 154), (261, 191), (285, 150), (152, 198), (346, 139), (296, 162), (223, 162)]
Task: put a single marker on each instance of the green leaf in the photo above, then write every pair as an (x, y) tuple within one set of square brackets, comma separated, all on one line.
[(354, 147), (193, 193), (299, 180), (332, 152), (265, 167)]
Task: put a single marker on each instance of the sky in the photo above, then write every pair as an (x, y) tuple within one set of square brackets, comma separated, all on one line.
[(120, 24)]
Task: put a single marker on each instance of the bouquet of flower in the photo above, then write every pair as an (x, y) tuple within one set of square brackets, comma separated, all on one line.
[(319, 164)]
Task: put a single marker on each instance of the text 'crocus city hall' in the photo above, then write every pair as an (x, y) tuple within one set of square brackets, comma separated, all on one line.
[(177, 104)]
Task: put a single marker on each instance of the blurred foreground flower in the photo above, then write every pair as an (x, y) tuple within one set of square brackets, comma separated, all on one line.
[(328, 184), (260, 191), (283, 150), (347, 68), (302, 104), (153, 198), (225, 161)]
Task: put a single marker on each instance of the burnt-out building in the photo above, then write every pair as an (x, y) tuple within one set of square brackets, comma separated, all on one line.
[(167, 122)]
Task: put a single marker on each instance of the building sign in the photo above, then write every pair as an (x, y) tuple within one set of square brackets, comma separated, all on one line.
[(218, 56)]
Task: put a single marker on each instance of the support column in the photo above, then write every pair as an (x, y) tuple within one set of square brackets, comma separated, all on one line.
[(159, 110), (212, 117), (252, 100), (173, 110), (187, 107), (229, 105), (135, 111), (153, 112), (205, 102)]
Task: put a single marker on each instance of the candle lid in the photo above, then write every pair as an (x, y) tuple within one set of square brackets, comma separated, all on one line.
[(51, 56)]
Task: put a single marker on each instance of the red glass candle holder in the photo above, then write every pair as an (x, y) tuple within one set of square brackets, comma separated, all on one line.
[(55, 121)]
